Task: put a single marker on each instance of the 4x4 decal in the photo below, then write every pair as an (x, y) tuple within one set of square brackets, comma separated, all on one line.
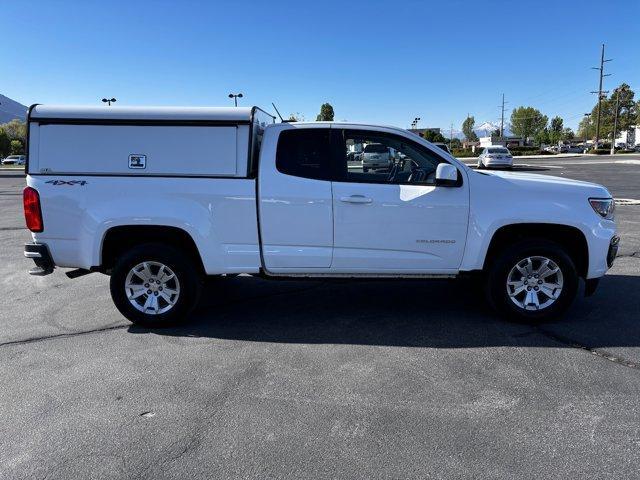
[(67, 182)]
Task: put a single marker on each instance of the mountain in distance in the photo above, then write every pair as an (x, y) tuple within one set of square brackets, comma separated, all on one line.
[(10, 109), (487, 128)]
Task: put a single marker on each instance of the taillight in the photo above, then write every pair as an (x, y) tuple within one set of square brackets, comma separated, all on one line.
[(32, 210)]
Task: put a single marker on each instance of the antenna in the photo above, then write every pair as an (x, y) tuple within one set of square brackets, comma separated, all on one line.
[(276, 109)]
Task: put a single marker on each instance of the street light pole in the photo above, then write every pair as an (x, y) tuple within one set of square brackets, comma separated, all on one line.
[(235, 97), (615, 125), (586, 129), (109, 101)]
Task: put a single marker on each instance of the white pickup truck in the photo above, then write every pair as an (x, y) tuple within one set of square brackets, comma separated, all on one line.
[(159, 198)]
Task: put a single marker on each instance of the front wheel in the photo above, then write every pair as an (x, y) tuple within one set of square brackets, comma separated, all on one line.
[(155, 285), (532, 281)]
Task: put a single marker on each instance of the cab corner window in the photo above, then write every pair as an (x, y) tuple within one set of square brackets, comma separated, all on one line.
[(304, 153)]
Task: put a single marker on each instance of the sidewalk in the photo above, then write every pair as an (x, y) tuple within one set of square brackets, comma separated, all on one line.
[(558, 155)]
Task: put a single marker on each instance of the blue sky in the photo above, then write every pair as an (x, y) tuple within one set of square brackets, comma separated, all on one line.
[(376, 61)]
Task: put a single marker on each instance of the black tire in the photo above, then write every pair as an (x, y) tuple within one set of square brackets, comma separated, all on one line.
[(498, 272), (190, 283)]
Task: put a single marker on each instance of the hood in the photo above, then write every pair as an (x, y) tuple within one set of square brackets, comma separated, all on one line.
[(547, 183)]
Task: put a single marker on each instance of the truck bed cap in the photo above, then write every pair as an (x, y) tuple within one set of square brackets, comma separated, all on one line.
[(227, 114)]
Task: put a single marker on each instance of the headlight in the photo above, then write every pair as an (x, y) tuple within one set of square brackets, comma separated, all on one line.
[(603, 207)]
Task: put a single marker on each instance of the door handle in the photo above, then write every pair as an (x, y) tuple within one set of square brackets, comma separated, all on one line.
[(356, 199)]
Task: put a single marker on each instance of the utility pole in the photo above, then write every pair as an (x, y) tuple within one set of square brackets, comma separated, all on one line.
[(502, 118), (615, 125), (451, 135), (600, 92)]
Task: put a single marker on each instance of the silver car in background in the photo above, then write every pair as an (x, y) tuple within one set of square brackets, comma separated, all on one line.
[(376, 156), (495, 157)]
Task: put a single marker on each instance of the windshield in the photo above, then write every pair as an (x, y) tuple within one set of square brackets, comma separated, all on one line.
[(13, 156), (375, 148), (498, 150)]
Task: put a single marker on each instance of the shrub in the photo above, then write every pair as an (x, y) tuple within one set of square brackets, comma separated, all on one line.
[(599, 151), (525, 148), (465, 153), (16, 147)]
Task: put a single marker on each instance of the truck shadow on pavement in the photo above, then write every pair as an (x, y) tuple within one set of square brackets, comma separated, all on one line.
[(411, 313)]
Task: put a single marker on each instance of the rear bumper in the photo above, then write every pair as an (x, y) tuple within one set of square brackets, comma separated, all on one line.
[(493, 162), (39, 253)]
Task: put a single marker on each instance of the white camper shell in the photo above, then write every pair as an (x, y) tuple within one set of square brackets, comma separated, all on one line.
[(190, 142)]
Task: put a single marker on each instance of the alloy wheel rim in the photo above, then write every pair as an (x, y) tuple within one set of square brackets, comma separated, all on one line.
[(535, 283), (152, 288)]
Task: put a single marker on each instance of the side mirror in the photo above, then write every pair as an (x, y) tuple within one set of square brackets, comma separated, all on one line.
[(446, 175)]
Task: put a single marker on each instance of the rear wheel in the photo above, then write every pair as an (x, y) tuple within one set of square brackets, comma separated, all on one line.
[(532, 281), (155, 285)]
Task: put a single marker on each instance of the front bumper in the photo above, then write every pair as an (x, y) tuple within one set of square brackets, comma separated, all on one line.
[(613, 250), (39, 253)]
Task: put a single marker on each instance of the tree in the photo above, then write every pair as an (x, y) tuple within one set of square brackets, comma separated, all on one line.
[(628, 113), (555, 132), (326, 113), (542, 136), (586, 128), (526, 122), (5, 143), (567, 134), (455, 143), (467, 129), (433, 136), (296, 117), (15, 129), (16, 147)]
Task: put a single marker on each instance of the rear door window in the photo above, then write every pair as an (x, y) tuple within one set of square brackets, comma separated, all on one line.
[(305, 152)]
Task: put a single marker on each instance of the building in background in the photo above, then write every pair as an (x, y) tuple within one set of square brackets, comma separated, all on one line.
[(503, 142), (629, 138)]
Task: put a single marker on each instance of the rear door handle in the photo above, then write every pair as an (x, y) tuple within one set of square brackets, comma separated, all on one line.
[(356, 199)]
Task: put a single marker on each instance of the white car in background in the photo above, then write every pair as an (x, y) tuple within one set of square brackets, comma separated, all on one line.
[(14, 160), (495, 157)]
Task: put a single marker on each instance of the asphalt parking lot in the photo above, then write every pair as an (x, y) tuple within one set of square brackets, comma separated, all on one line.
[(352, 379)]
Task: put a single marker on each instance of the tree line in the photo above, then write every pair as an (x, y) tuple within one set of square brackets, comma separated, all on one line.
[(532, 125), (13, 137)]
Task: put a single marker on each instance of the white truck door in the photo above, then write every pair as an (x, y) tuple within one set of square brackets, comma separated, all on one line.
[(395, 220), (295, 202)]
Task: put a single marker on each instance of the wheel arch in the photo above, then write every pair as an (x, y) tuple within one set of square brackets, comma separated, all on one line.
[(570, 238), (118, 239)]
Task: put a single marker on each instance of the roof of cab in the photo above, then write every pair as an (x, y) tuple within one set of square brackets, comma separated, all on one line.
[(230, 114)]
